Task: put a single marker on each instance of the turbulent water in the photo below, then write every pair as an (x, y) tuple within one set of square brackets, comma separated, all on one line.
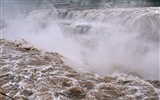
[(121, 46), (28, 73), (98, 40)]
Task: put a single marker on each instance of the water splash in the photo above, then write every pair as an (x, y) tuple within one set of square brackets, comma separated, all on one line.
[(101, 41)]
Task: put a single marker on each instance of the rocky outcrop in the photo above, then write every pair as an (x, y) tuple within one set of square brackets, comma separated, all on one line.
[(33, 74)]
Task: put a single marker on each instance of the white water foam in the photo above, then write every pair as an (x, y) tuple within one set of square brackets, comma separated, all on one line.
[(101, 41)]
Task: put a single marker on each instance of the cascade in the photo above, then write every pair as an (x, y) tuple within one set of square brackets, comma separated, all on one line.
[(104, 40)]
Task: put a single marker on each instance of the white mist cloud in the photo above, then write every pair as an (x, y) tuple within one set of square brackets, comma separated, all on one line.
[(107, 46)]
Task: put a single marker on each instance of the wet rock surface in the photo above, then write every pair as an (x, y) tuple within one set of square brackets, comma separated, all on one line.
[(33, 74)]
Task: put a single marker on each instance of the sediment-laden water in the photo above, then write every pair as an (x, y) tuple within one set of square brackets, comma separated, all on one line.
[(46, 53)]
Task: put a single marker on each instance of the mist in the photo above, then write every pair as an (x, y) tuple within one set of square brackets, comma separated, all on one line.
[(101, 41)]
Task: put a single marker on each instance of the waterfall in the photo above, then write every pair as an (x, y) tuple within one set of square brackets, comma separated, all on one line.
[(98, 40)]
